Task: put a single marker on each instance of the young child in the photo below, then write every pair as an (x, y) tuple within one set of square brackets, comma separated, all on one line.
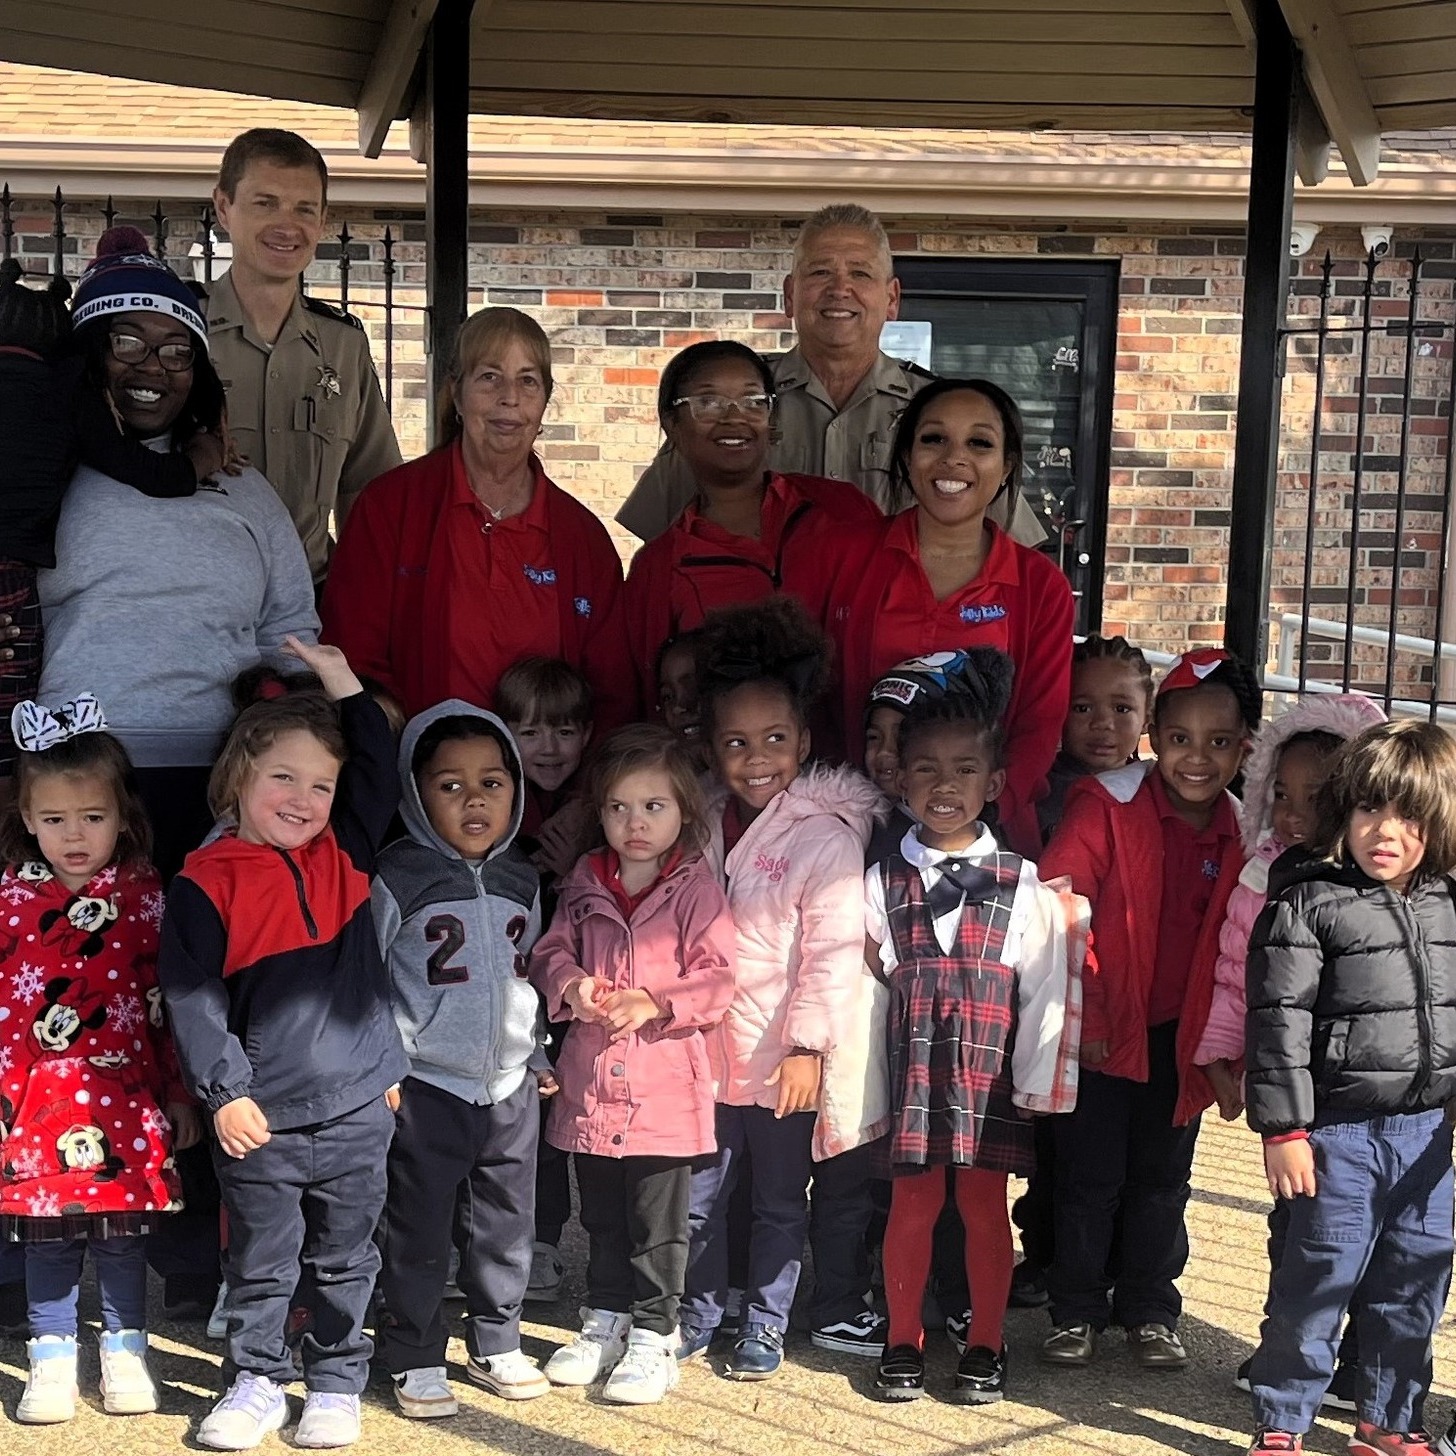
[(85, 1066), (1351, 1061), (977, 958), (547, 705), (789, 843), (457, 907), (1155, 848), (677, 694), (1285, 770), (1112, 696), (280, 1008), (51, 419), (641, 959)]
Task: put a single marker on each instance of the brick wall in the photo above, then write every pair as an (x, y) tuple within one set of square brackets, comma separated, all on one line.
[(618, 295)]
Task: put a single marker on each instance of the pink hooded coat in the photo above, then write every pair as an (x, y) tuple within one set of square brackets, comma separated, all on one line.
[(1344, 715), (796, 887), (649, 1094)]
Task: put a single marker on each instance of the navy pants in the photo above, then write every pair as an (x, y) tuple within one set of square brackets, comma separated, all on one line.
[(307, 1201), (1120, 1152), (1380, 1223), (467, 1173), (782, 1166), (841, 1206), (53, 1280)]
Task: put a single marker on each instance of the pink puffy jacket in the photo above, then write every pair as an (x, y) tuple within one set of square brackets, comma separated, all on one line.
[(796, 885), (1223, 1033), (649, 1094)]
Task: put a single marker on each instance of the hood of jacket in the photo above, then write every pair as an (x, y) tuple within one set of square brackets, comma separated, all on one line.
[(411, 807), (827, 789), (1343, 714)]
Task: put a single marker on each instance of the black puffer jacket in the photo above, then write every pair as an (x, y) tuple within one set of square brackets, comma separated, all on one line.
[(1351, 997)]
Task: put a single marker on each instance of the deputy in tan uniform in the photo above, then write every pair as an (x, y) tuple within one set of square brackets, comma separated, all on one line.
[(839, 397), (304, 403)]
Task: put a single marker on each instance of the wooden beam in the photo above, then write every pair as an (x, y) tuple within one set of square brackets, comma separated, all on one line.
[(1242, 13), (1338, 87), (1311, 141), (392, 70)]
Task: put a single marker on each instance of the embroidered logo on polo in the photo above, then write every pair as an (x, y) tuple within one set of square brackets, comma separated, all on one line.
[(1210, 869), (540, 575), (993, 612), (582, 605)]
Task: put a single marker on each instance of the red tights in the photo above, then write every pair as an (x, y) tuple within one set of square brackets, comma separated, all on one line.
[(915, 1206)]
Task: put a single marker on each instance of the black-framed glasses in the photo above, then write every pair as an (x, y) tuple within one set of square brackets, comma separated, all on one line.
[(717, 406), (174, 358)]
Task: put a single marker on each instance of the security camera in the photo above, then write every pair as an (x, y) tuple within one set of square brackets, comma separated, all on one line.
[(1301, 238), (1376, 240)]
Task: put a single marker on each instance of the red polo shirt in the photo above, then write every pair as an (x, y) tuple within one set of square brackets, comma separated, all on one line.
[(1192, 861)]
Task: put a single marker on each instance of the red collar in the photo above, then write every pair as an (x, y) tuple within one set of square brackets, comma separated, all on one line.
[(534, 518), (1002, 563), (1223, 825), (606, 865)]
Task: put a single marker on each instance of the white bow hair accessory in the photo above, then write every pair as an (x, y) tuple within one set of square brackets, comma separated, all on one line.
[(36, 728)]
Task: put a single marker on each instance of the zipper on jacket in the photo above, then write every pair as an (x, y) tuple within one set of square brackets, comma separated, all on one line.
[(1423, 990), (309, 923)]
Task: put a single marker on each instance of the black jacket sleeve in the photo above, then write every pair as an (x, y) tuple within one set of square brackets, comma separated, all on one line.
[(190, 961), (368, 793), (1282, 973), (106, 447)]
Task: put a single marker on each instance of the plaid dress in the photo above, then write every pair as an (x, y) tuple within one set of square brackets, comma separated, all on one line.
[(20, 674), (951, 1028)]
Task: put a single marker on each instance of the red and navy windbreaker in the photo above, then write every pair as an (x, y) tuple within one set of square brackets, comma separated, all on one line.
[(269, 963)]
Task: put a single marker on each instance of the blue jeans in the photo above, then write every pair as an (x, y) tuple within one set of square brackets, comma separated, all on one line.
[(780, 1149), (53, 1280), (1380, 1223)]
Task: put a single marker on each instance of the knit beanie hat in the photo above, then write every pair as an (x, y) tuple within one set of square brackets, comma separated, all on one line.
[(125, 278), (982, 673)]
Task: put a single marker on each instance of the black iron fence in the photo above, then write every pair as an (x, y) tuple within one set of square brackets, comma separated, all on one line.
[(1360, 591)]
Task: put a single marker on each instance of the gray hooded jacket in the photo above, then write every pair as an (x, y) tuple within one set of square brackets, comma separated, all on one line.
[(454, 935)]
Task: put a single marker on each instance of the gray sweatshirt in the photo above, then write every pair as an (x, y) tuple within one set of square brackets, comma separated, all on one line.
[(473, 1028), (156, 605)]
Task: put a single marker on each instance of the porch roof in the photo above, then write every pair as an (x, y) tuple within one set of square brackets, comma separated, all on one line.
[(1174, 65)]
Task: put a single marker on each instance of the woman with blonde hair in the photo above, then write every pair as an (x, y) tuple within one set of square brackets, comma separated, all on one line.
[(458, 564)]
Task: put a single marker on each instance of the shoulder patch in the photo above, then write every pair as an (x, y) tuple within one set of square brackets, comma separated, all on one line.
[(909, 366), (331, 311)]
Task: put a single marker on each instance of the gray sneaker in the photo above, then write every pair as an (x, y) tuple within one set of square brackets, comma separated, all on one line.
[(330, 1418), (252, 1407)]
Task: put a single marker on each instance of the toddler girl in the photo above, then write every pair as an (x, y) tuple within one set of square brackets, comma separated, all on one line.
[(1351, 1062), (789, 843), (976, 955), (85, 1067), (281, 1012), (640, 958)]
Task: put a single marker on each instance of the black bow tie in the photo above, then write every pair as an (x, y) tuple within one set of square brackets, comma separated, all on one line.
[(960, 881)]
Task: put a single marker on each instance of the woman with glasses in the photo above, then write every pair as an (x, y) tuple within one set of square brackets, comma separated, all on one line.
[(157, 605), (456, 565), (749, 531)]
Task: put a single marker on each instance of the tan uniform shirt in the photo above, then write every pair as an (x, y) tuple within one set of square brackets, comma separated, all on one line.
[(811, 437), (306, 411)]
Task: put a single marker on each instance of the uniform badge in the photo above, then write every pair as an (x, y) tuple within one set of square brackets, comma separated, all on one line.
[(328, 380)]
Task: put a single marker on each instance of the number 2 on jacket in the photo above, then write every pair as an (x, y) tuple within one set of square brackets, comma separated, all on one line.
[(448, 930)]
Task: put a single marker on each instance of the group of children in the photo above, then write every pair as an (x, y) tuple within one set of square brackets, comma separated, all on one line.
[(779, 984)]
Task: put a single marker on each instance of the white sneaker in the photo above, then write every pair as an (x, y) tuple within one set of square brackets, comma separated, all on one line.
[(127, 1387), (594, 1352), (252, 1407), (217, 1324), (330, 1418), (646, 1372), (546, 1274), (50, 1390), (509, 1375), (425, 1394)]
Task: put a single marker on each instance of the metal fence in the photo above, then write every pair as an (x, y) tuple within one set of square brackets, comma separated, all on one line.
[(1360, 592)]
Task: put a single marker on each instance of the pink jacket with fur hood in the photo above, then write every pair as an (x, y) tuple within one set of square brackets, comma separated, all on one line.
[(1343, 714), (649, 1094), (796, 887)]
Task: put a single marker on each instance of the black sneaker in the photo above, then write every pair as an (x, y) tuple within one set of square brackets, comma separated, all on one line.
[(901, 1375), (1344, 1391), (980, 1378), (1446, 1446), (958, 1326), (1028, 1287), (1241, 1375), (862, 1335)]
